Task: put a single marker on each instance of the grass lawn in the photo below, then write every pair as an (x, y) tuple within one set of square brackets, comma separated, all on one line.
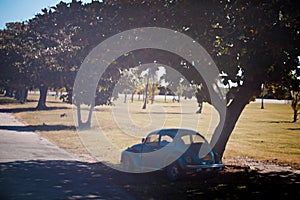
[(266, 134)]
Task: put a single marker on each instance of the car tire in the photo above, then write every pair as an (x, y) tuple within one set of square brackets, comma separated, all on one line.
[(174, 172)]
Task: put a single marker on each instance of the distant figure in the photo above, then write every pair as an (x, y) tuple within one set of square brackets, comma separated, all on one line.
[(200, 99), (63, 115), (200, 104), (56, 94), (174, 99)]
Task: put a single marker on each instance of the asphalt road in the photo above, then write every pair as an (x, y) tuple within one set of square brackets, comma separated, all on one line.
[(31, 167)]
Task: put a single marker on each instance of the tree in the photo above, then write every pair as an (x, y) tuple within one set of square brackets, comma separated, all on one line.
[(236, 35), (56, 58), (292, 82), (295, 104), (39, 53), (289, 89), (127, 84)]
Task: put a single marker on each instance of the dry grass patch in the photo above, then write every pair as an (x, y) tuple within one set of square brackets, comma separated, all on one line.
[(266, 134)]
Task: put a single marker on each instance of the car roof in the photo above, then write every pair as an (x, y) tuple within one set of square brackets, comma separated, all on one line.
[(172, 132)]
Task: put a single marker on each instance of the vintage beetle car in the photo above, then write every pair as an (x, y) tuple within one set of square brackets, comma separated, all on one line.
[(174, 150)]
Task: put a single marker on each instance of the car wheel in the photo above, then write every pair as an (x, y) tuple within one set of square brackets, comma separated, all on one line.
[(173, 172)]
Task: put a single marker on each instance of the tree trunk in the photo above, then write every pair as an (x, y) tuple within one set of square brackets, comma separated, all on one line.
[(23, 95), (227, 123), (295, 115), (262, 103), (9, 92), (132, 96), (295, 104), (125, 99), (43, 96), (262, 97), (18, 94), (222, 134), (146, 95), (153, 93), (165, 97), (84, 125)]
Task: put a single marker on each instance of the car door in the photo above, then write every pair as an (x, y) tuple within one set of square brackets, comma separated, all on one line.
[(150, 144)]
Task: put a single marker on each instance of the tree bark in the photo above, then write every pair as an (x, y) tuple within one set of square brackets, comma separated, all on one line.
[(42, 99)]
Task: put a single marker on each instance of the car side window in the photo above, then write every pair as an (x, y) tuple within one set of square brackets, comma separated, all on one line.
[(165, 139), (152, 140), (186, 139), (197, 139)]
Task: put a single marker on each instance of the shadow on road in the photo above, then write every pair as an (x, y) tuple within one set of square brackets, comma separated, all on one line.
[(57, 180), (32, 128), (80, 180), (29, 109)]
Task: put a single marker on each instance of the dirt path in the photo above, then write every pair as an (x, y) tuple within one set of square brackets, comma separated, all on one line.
[(18, 145), (259, 166)]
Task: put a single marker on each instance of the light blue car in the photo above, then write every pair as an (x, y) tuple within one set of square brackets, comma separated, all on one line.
[(174, 150)]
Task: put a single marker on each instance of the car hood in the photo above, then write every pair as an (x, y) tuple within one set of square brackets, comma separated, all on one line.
[(135, 148)]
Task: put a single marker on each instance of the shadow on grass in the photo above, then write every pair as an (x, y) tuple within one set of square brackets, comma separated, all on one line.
[(30, 109), (164, 113), (80, 180), (33, 128), (56, 102), (280, 122), (229, 184), (10, 100), (293, 129)]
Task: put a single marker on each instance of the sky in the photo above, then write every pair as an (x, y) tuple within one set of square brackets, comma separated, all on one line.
[(22, 10)]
